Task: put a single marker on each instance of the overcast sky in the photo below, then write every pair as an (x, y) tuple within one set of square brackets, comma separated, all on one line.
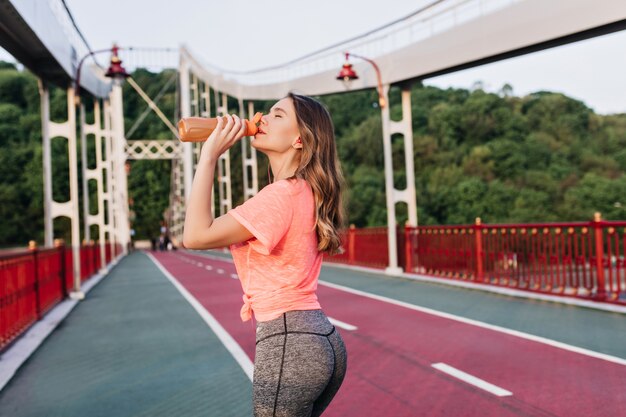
[(245, 34)]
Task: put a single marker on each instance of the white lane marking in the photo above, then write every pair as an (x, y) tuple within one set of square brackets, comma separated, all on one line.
[(200, 264), (234, 276), (209, 267), (231, 345), (516, 333), (598, 305), (342, 324), (220, 271), (470, 379), (527, 336)]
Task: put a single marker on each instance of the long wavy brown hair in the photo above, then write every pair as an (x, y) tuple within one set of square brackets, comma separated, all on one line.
[(319, 166)]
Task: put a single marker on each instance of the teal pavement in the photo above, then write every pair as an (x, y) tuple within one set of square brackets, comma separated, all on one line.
[(133, 347), (136, 347)]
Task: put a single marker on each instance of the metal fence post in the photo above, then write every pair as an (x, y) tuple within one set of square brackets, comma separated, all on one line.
[(408, 248), (479, 250), (599, 238), (58, 243), (32, 247), (351, 235)]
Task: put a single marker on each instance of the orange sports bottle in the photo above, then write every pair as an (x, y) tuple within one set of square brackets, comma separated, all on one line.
[(198, 129)]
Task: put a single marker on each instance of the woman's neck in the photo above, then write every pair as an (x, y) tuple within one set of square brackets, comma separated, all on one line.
[(282, 169)]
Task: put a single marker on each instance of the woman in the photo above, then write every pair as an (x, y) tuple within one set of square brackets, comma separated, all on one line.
[(277, 239)]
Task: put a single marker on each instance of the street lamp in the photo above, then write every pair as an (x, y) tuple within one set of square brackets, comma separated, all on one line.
[(392, 196), (115, 71), (116, 154), (347, 75)]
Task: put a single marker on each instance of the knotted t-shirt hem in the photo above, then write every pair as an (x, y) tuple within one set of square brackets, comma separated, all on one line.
[(275, 313)]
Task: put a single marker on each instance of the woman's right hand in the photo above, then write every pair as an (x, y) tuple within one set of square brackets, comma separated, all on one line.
[(225, 135)]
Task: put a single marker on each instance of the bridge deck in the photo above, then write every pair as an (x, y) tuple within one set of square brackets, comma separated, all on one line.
[(137, 347)]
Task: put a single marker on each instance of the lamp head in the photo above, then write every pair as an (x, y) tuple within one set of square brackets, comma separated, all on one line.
[(116, 71), (347, 74)]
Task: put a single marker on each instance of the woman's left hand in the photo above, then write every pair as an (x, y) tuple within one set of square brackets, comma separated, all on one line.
[(223, 137)]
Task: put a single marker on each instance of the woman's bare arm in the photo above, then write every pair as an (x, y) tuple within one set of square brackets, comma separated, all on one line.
[(201, 230)]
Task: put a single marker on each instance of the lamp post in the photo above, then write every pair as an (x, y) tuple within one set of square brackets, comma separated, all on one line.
[(115, 154), (347, 75), (70, 209), (120, 202)]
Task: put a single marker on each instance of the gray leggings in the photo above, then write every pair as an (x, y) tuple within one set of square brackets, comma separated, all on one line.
[(299, 365)]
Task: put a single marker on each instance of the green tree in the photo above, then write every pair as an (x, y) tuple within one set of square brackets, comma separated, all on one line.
[(593, 194), (541, 157)]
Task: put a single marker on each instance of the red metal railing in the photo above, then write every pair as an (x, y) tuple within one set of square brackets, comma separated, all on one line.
[(365, 247), (90, 260), (33, 281), (583, 259)]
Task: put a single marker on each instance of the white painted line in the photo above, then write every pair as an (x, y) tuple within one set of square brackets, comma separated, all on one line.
[(527, 336), (234, 276), (470, 379), (230, 343), (200, 264), (516, 333), (220, 271), (342, 324), (209, 267), (490, 288)]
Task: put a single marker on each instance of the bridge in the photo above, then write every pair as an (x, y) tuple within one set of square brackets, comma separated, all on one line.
[(477, 320)]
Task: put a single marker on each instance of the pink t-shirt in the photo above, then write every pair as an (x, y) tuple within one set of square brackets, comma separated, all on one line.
[(278, 267)]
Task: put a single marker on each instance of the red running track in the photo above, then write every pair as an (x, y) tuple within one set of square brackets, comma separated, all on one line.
[(390, 357)]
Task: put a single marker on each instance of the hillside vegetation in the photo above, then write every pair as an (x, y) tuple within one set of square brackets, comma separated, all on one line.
[(538, 158)]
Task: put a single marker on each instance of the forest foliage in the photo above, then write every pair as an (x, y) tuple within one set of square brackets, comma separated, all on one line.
[(543, 157)]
